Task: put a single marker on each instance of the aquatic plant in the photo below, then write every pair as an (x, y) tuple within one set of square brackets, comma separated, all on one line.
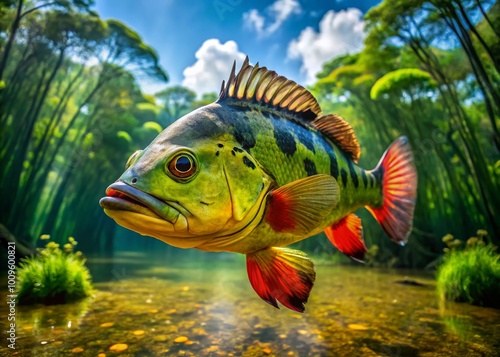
[(54, 276), (471, 272)]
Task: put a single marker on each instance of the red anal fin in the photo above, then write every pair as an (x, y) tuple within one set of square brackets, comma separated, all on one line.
[(281, 274), (347, 236)]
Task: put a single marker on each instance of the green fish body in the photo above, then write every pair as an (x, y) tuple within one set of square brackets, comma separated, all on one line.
[(257, 170)]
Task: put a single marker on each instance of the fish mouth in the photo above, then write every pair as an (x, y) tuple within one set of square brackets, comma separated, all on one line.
[(123, 197)]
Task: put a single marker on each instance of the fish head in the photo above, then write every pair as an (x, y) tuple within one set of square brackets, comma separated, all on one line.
[(193, 183)]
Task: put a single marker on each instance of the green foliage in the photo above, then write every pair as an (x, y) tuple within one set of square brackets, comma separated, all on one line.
[(147, 112), (471, 273), (177, 101), (71, 105), (54, 276), (335, 63), (153, 126), (375, 257), (406, 78), (206, 99)]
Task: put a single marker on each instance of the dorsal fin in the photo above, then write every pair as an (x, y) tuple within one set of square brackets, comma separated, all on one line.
[(340, 132), (258, 86)]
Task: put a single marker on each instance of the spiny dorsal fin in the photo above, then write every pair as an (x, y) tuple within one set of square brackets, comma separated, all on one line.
[(254, 86), (340, 132)]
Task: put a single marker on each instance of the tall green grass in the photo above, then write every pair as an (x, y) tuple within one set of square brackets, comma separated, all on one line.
[(470, 274), (53, 276)]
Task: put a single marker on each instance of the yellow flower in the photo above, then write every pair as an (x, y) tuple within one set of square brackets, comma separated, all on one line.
[(68, 247), (482, 233), (472, 241), (447, 238)]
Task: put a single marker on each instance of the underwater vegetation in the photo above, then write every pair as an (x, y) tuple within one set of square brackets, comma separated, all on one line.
[(54, 276), (470, 273)]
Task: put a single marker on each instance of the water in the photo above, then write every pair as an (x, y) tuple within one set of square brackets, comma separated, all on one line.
[(207, 308)]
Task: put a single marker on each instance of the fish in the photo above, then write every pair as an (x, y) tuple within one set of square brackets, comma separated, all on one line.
[(257, 170)]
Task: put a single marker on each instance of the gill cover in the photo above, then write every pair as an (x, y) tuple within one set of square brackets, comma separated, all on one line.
[(245, 179)]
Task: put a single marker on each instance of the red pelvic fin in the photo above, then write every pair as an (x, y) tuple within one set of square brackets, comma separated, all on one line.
[(399, 189), (347, 236), (299, 206), (281, 274)]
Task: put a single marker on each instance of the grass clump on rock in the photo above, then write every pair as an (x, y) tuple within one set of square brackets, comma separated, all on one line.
[(471, 272), (54, 276)]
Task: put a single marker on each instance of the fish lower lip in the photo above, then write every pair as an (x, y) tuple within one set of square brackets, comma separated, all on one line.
[(132, 199)]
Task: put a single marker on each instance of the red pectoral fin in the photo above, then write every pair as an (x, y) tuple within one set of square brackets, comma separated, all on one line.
[(281, 274), (347, 236), (299, 206)]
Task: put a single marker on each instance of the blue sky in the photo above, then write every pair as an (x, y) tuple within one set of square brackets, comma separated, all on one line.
[(198, 40)]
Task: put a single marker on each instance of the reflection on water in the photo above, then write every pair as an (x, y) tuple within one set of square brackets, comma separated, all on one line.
[(146, 307)]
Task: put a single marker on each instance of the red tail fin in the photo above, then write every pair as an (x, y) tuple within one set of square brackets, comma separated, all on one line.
[(399, 189)]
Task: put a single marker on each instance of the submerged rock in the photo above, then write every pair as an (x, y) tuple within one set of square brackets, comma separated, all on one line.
[(119, 347), (181, 339), (357, 327)]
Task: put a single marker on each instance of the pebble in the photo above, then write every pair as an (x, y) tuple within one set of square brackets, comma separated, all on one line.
[(161, 338), (107, 324), (119, 347), (357, 327), (302, 332), (138, 332), (77, 350), (267, 350), (101, 355), (199, 331), (181, 339)]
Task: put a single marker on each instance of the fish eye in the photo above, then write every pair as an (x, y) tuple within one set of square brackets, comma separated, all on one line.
[(131, 160), (182, 166)]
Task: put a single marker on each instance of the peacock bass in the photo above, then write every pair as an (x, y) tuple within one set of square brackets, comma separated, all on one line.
[(257, 170)]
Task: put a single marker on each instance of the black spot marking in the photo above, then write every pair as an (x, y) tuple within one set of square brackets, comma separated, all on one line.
[(334, 170), (285, 140), (306, 138), (343, 173), (364, 177), (237, 149), (244, 135), (206, 204), (248, 163), (352, 172), (216, 153), (310, 167), (220, 145), (232, 152), (378, 174)]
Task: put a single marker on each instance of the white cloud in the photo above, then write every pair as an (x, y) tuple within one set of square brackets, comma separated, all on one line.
[(277, 12), (213, 64), (254, 20), (339, 33)]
